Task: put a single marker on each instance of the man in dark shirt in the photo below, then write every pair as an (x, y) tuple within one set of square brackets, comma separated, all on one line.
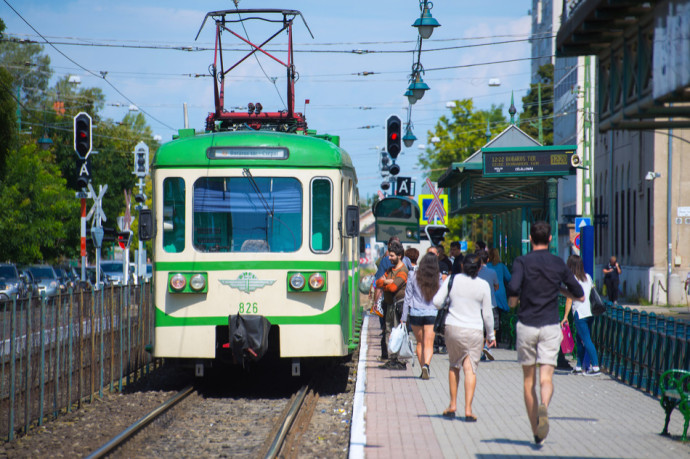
[(611, 279), (537, 279)]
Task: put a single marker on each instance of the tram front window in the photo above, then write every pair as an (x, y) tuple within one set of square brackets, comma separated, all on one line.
[(236, 214)]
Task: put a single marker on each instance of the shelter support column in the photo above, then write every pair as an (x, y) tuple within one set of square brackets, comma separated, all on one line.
[(552, 194), (525, 231)]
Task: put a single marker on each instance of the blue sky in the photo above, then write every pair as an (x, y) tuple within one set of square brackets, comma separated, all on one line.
[(341, 103)]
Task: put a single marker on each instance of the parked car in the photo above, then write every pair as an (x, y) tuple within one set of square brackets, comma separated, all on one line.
[(30, 281), (47, 280), (114, 271), (91, 277), (63, 278), (13, 286)]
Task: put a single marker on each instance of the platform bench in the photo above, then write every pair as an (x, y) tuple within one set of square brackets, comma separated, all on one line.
[(674, 386)]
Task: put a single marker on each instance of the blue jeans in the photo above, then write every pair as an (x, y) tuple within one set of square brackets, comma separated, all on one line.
[(584, 341)]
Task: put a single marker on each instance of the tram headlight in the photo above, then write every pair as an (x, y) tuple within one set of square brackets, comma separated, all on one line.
[(197, 282), (297, 281), (316, 281), (178, 282)]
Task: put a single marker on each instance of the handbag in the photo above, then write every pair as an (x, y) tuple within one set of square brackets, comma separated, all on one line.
[(395, 341), (406, 349), (440, 322), (597, 305), (567, 344)]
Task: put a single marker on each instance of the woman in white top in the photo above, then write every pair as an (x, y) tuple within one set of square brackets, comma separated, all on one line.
[(582, 316), (470, 313)]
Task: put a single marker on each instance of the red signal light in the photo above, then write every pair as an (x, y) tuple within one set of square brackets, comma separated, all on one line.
[(394, 136)]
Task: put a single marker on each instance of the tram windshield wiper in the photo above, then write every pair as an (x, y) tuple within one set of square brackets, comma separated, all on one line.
[(258, 192)]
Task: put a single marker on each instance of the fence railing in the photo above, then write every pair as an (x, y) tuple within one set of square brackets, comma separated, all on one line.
[(637, 347), (61, 351)]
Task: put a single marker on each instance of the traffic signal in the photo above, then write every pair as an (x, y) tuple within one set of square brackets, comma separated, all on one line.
[(145, 224), (124, 238), (84, 176), (394, 169), (141, 160), (393, 136), (82, 134), (385, 185)]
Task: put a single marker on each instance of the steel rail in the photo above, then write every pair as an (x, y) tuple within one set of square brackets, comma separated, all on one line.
[(286, 424), (129, 432)]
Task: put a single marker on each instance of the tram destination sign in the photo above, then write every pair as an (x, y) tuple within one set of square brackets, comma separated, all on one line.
[(529, 161)]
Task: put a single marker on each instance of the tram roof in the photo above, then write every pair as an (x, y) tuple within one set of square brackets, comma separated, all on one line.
[(304, 150)]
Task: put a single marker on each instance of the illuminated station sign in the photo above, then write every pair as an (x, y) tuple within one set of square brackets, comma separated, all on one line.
[(525, 161)]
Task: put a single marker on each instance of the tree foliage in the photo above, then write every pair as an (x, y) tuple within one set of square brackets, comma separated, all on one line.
[(31, 196), (529, 119), (36, 206), (460, 135)]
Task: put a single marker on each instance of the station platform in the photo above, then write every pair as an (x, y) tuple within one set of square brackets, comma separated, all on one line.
[(397, 414)]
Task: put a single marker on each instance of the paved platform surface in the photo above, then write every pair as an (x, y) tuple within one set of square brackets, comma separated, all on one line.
[(590, 416)]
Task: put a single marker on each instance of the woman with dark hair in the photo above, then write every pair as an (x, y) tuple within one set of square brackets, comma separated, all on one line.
[(582, 316), (470, 313), (422, 285)]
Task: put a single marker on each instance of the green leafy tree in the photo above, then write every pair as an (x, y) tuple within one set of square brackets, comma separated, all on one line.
[(30, 69), (460, 135), (7, 113), (529, 119), (36, 206)]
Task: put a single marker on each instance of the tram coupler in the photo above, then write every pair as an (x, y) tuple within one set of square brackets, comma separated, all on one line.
[(296, 367)]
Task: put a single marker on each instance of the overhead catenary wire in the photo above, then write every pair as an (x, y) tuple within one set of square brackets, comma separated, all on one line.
[(84, 68)]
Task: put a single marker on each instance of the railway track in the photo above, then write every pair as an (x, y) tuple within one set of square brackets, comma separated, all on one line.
[(282, 440)]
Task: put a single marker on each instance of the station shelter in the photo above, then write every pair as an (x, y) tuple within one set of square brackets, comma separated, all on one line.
[(513, 179)]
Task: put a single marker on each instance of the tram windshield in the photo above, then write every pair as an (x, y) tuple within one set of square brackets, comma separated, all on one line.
[(232, 214)]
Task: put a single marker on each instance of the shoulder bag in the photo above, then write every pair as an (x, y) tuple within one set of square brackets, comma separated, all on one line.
[(440, 323), (596, 303)]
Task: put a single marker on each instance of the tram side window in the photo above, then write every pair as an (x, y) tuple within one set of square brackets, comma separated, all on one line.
[(173, 214), (236, 214), (321, 215)]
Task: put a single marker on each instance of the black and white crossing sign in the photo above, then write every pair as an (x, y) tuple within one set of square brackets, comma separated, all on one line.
[(404, 186)]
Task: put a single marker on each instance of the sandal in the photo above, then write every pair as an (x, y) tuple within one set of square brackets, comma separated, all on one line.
[(471, 418), (448, 414)]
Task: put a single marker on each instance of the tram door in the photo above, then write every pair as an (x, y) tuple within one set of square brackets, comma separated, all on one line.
[(397, 216)]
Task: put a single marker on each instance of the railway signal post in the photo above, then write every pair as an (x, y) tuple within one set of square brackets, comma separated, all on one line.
[(141, 170), (82, 147)]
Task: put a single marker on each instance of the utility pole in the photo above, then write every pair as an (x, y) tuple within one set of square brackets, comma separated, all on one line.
[(539, 115)]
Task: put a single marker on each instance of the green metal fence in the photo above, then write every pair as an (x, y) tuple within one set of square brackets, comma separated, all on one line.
[(636, 347), (61, 351)]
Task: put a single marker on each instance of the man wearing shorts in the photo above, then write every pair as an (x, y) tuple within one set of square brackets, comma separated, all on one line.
[(537, 279)]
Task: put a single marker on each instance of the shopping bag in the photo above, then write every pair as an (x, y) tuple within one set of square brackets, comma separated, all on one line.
[(406, 348), (395, 341), (567, 344)]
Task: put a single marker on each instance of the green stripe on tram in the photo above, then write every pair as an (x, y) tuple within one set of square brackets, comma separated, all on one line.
[(330, 317), (247, 265), (250, 264)]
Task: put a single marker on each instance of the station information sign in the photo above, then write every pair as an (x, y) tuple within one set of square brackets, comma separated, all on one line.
[(524, 161)]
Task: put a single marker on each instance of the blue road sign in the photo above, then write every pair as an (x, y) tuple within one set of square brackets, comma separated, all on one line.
[(463, 246), (580, 221)]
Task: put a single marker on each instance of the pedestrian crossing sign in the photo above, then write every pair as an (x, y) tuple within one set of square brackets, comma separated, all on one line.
[(425, 205)]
